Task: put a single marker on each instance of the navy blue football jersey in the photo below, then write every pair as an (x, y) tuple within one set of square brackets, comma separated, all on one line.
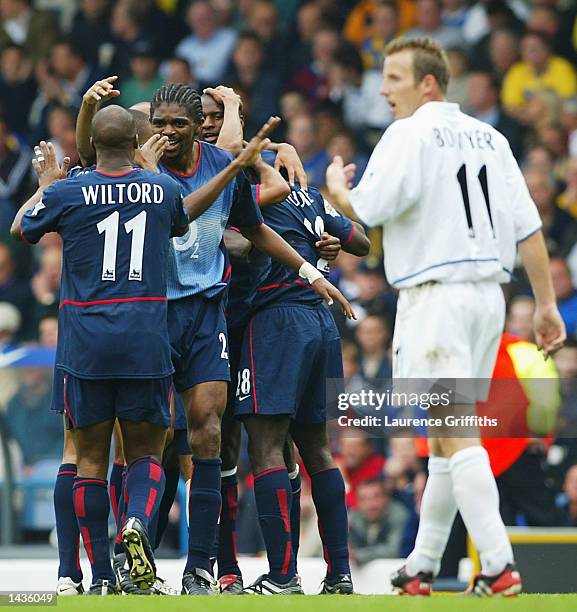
[(300, 220), (198, 262), (115, 232)]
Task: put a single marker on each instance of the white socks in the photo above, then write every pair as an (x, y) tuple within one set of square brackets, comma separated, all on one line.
[(477, 497), (438, 511)]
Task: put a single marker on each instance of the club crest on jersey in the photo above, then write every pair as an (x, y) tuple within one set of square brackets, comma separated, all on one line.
[(300, 198)]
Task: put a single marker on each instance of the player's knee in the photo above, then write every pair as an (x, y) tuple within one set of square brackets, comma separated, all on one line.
[(205, 441), (317, 459)]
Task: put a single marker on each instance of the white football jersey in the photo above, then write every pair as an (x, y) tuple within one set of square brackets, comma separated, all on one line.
[(450, 197)]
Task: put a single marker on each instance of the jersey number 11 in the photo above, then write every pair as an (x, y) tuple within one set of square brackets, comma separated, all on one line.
[(109, 226), (482, 176)]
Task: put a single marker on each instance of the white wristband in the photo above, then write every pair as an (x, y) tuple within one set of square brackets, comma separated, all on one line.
[(308, 271)]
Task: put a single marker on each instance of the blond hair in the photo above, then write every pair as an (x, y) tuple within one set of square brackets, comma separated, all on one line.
[(428, 58)]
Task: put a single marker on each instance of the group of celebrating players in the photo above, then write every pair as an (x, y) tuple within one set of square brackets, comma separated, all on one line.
[(151, 302)]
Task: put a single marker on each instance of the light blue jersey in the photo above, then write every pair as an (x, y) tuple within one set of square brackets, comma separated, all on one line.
[(198, 263)]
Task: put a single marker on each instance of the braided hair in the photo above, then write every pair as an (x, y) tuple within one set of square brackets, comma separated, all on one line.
[(183, 95)]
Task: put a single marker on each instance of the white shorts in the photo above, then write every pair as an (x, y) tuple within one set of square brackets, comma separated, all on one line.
[(448, 330)]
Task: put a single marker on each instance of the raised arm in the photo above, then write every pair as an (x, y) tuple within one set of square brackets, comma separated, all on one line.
[(230, 137), (99, 92), (200, 200), (273, 187)]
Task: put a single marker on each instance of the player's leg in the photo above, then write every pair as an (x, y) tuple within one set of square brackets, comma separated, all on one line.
[(91, 502), (143, 411), (205, 403), (266, 439), (295, 479), (67, 531), (117, 471), (229, 574), (328, 491)]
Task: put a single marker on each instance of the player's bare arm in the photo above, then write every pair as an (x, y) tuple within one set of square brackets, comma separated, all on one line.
[(550, 333), (236, 244), (273, 187), (48, 171), (268, 241), (339, 179), (230, 136), (101, 91), (201, 199)]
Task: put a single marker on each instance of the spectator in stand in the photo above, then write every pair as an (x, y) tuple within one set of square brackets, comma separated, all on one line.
[(17, 88), (345, 273), (128, 33), (373, 296), (16, 292), (385, 28), (430, 24), (10, 321), (546, 19), (559, 228), (352, 377), (46, 282), (454, 13), (538, 69), (503, 53), (569, 501), (483, 103), (178, 71), (91, 28), (302, 135), (344, 144), (62, 133), (208, 47), (459, 81), (29, 411), (48, 331), (377, 525), (260, 86), (565, 293), (145, 79), (309, 22), (32, 29), (292, 103), (263, 20), (374, 336), (358, 461), (519, 320), (313, 79), (478, 22), (15, 175)]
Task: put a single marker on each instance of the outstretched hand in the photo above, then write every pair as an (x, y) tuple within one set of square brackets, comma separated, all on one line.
[(549, 328), (101, 91), (330, 293), (288, 158), (46, 165), (251, 153), (339, 176)]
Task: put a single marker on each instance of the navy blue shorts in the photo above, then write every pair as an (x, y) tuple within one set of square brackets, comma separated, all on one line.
[(90, 401), (198, 339), (288, 353), (180, 440)]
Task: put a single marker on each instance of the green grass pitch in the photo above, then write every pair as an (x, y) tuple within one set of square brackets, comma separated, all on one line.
[(316, 603)]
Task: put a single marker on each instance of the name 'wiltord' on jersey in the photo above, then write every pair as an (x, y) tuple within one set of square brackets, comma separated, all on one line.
[(123, 193)]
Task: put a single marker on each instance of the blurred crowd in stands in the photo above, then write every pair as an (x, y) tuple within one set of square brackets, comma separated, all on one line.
[(317, 64)]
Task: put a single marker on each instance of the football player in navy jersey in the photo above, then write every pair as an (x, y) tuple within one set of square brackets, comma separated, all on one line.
[(223, 125), (113, 345), (198, 274)]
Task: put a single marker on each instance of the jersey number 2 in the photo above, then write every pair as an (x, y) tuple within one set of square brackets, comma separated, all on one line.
[(482, 176), (109, 226)]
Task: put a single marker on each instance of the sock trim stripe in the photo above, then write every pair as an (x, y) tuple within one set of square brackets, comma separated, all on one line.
[(89, 481), (281, 496), (287, 558), (119, 464), (276, 469), (325, 470), (87, 544), (151, 499), (155, 472), (67, 473)]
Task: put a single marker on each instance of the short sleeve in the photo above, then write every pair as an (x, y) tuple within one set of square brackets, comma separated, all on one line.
[(526, 219), (44, 217), (244, 211), (390, 183), (337, 225)]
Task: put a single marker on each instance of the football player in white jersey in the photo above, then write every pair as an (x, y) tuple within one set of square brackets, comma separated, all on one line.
[(454, 208)]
